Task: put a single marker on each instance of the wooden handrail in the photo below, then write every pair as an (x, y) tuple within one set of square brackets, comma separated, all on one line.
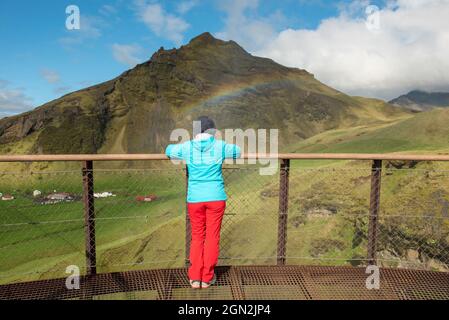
[(292, 156)]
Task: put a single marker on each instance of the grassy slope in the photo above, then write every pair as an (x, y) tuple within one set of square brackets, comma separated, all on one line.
[(425, 132)]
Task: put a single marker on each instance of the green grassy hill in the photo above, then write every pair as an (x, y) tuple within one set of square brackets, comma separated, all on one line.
[(423, 132)]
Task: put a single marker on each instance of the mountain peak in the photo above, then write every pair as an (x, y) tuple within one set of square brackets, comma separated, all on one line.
[(199, 42), (205, 37)]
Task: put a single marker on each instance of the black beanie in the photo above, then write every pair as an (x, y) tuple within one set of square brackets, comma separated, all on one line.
[(206, 123)]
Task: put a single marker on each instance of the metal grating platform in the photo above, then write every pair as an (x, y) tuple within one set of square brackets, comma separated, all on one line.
[(243, 282)]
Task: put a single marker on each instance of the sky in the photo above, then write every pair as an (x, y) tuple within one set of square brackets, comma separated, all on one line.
[(379, 49)]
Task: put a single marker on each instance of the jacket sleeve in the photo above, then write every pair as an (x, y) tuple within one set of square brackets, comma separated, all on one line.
[(175, 151), (232, 151)]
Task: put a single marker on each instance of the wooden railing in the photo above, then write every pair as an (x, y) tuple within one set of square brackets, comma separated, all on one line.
[(291, 156)]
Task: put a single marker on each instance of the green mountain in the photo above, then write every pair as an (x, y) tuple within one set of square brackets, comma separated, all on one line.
[(418, 100), (135, 112)]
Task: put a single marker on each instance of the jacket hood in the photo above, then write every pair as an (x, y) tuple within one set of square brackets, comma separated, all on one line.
[(203, 143)]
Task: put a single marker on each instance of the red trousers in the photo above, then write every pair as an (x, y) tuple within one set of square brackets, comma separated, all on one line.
[(205, 220)]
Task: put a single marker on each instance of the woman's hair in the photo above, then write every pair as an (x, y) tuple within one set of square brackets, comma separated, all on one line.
[(206, 123)]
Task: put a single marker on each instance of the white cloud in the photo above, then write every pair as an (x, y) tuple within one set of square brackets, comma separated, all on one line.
[(12, 100), (244, 26), (127, 53), (107, 10), (162, 23), (408, 51), (185, 6), (50, 76)]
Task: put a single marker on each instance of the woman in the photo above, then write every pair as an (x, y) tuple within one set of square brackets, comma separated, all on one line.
[(206, 197)]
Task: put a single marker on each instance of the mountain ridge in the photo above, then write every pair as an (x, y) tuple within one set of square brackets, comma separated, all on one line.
[(420, 100)]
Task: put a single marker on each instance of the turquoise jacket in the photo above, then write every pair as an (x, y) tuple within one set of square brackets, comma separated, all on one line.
[(204, 158)]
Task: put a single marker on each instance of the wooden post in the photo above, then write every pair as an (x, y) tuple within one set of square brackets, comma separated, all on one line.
[(376, 174), (89, 217), (283, 210)]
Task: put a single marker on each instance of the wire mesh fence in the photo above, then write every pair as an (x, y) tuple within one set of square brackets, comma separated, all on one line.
[(414, 217), (320, 212), (329, 216), (141, 219), (42, 224), (249, 231)]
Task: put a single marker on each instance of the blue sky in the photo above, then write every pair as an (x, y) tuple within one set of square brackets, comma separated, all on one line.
[(41, 60)]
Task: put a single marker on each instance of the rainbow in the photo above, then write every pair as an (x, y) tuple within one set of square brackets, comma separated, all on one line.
[(235, 90)]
